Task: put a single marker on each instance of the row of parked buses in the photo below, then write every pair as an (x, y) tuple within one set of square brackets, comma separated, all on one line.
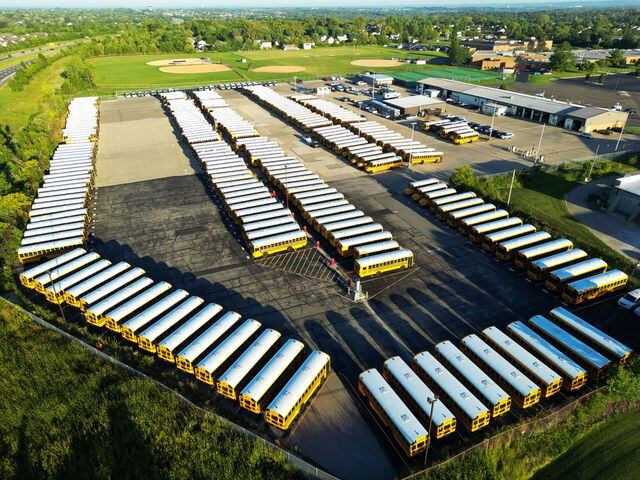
[(487, 376), (267, 227), (352, 145), (59, 218), (555, 262), (376, 134), (457, 132), (238, 359), (349, 230)]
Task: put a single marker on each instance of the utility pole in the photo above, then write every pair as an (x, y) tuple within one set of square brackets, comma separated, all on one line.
[(431, 402), (413, 127), (620, 136), (493, 117), (540, 143), (513, 178), (53, 286)]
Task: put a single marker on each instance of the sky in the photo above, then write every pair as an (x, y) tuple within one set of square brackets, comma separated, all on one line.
[(295, 3)]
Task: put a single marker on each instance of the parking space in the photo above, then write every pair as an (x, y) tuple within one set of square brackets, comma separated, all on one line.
[(126, 153)]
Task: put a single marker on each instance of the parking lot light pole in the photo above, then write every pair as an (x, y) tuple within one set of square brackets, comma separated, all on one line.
[(430, 401), (540, 143), (620, 136), (493, 118)]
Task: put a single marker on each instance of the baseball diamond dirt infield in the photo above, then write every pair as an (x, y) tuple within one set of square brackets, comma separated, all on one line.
[(377, 63)]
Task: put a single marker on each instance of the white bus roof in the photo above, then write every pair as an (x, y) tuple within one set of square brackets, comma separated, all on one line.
[(158, 308), (455, 391), (252, 355), (453, 198), (560, 259), (393, 407), (546, 247), (53, 263), (473, 374), (113, 285), (594, 334), (62, 285), (365, 239), (233, 342), (191, 326), (417, 390), (520, 242), (357, 231), (598, 280), (553, 355), (384, 257), (520, 354), (296, 386), (470, 202), (511, 233), (120, 296), (498, 225), (88, 284), (510, 374), (66, 268), (171, 318), (571, 343), (209, 336), (259, 385), (581, 268)]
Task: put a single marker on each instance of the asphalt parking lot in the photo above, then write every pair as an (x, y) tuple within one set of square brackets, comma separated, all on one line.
[(171, 226), (494, 156)]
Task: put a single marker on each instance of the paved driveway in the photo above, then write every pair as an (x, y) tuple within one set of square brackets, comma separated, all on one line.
[(611, 228)]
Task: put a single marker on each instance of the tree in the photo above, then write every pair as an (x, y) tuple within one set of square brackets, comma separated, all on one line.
[(457, 53), (616, 58), (562, 59), (602, 78)]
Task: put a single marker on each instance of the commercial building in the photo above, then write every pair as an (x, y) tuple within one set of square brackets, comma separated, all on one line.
[(537, 109), (375, 79), (631, 57), (414, 104), (625, 197), (504, 45)]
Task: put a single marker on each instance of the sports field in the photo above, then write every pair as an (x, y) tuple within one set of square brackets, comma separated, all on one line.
[(143, 71)]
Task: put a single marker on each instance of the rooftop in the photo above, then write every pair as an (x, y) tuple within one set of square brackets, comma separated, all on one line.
[(413, 101), (629, 184), (506, 97)]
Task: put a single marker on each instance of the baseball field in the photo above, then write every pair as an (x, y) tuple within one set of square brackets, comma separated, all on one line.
[(149, 71)]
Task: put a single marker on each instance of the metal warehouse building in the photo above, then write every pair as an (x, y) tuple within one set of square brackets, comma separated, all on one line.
[(376, 79), (625, 196), (414, 104), (530, 107)]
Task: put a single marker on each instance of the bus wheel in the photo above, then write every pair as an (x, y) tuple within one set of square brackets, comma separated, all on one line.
[(290, 249)]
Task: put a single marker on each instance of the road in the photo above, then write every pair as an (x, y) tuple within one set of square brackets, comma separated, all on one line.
[(7, 73)]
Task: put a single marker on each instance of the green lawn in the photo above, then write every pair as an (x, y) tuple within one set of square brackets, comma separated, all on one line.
[(18, 108), (132, 71), (607, 453), (69, 414), (543, 198)]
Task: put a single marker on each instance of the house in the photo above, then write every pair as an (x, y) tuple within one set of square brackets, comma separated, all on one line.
[(308, 45), (201, 45), (342, 38), (394, 36), (264, 44), (323, 38), (331, 40), (289, 46)]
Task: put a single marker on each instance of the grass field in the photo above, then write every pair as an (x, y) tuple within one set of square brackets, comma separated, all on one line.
[(609, 452), (20, 107), (132, 71)]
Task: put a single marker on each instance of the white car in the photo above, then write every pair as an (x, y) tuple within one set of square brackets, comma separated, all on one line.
[(631, 300)]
